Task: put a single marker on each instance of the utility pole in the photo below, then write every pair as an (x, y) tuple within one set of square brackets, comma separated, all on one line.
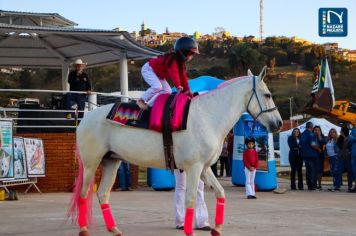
[(290, 111), (261, 20)]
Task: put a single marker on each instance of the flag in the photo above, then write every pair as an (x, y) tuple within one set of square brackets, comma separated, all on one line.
[(316, 79), (325, 80)]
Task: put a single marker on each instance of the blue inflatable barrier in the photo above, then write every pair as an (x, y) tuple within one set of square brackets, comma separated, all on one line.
[(159, 179), (266, 178)]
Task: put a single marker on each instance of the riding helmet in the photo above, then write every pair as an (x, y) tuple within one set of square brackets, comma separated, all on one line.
[(186, 45)]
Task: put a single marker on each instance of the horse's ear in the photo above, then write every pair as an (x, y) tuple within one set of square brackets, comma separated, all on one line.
[(249, 72), (263, 73)]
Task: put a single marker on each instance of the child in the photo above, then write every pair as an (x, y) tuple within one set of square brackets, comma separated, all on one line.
[(250, 159), (169, 66)]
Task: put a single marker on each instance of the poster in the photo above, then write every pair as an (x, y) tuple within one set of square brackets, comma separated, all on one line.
[(6, 152), (261, 138), (20, 167), (35, 157)]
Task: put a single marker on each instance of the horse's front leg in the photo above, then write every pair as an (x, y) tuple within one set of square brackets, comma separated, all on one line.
[(210, 180), (193, 177), (109, 171)]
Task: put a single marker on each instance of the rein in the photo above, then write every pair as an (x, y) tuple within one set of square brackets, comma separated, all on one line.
[(254, 93)]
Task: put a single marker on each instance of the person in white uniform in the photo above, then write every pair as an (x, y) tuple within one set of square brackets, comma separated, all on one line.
[(201, 211)]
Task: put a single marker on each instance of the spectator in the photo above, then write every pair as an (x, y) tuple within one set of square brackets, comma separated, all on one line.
[(124, 175), (345, 155), (214, 168), (332, 152), (295, 159), (78, 81), (250, 160), (352, 143), (224, 158), (201, 211), (230, 150), (320, 141), (310, 154)]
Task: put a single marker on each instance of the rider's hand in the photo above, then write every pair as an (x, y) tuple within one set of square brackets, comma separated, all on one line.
[(180, 88)]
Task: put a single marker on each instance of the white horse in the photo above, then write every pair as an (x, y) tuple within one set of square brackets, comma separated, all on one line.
[(211, 117)]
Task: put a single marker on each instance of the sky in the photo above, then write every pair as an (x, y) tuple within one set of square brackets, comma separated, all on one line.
[(240, 17)]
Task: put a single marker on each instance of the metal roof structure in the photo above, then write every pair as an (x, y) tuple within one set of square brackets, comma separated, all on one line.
[(32, 18), (51, 47)]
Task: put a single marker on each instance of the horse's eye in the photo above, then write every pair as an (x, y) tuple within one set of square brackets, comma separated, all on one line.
[(267, 95)]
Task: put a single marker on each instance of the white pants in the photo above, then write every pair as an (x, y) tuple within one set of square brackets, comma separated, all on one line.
[(250, 182), (201, 211), (157, 86)]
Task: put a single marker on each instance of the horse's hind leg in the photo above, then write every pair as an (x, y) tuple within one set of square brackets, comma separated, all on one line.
[(109, 171), (210, 180), (193, 177)]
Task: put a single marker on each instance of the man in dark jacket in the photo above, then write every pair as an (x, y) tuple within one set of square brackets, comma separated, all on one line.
[(310, 154), (78, 81)]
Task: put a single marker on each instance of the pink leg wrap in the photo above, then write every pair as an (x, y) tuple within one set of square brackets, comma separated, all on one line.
[(188, 221), (220, 208), (108, 218), (82, 219)]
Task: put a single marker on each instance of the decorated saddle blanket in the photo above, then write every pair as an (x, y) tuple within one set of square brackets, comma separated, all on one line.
[(131, 115)]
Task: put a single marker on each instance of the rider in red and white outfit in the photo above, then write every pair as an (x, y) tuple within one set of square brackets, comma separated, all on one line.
[(169, 66)]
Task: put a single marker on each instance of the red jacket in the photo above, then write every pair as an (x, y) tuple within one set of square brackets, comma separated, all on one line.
[(250, 158), (163, 71)]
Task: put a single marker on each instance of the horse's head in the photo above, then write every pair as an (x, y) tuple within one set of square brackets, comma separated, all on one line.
[(261, 106)]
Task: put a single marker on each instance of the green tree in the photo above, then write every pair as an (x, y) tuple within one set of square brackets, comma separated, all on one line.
[(243, 57)]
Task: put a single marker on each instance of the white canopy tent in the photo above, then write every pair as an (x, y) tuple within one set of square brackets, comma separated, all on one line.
[(283, 137)]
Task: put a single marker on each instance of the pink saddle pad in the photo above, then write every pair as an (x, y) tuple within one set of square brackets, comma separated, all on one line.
[(179, 116)]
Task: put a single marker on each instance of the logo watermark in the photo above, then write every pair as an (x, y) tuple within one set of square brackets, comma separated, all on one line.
[(332, 22)]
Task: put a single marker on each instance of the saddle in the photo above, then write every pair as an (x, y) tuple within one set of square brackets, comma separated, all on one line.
[(168, 114)]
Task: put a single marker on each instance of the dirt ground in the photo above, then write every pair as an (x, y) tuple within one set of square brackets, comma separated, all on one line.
[(149, 213)]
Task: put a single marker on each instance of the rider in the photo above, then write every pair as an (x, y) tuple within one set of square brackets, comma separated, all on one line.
[(172, 66)]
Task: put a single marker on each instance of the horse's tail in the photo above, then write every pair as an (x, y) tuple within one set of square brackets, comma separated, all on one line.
[(73, 211)]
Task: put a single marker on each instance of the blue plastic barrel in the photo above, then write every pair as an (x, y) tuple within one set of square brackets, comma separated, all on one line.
[(266, 178), (160, 179)]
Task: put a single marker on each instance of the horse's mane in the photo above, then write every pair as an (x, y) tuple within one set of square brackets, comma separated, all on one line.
[(224, 84)]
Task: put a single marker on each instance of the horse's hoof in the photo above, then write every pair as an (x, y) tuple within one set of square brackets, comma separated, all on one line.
[(119, 234), (214, 232), (84, 233)]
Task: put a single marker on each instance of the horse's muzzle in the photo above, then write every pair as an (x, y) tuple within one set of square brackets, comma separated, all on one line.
[(276, 126)]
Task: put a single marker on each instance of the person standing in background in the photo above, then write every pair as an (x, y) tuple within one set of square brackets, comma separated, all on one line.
[(320, 142), (295, 159), (332, 151), (124, 175), (345, 155), (250, 160), (78, 81), (201, 211), (352, 143), (310, 154)]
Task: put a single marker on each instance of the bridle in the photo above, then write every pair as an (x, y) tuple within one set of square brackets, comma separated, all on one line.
[(254, 93)]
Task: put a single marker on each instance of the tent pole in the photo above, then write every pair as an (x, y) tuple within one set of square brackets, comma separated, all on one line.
[(124, 82)]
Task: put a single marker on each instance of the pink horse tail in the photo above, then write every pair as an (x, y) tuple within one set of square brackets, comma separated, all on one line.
[(73, 211)]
